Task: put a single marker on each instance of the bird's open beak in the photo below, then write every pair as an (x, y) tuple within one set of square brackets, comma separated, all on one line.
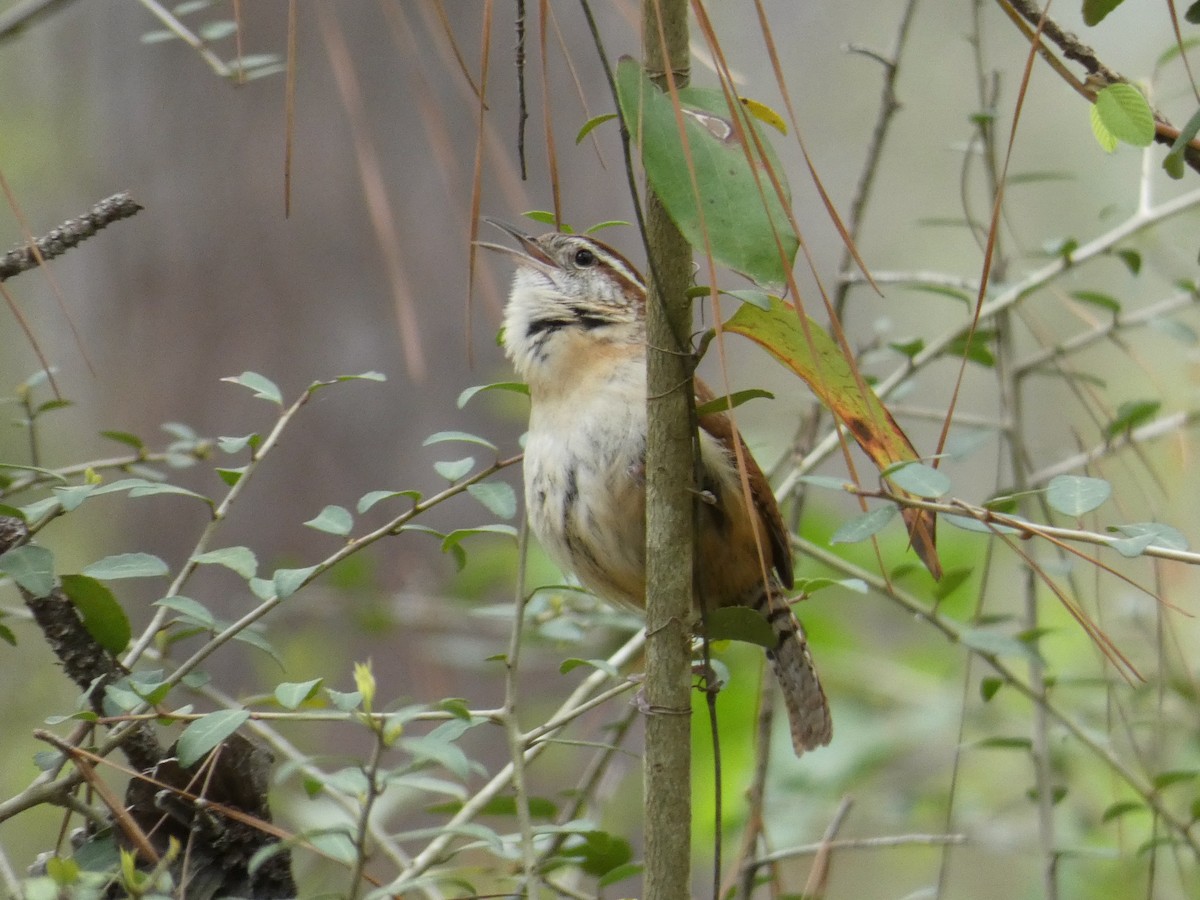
[(530, 251)]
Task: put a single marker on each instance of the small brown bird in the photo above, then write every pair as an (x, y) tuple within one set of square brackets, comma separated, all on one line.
[(574, 328)]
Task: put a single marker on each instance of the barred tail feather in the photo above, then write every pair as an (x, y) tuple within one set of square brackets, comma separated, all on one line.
[(807, 708)]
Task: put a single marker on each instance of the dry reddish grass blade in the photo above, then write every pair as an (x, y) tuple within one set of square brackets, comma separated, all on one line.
[(375, 193), (289, 107)]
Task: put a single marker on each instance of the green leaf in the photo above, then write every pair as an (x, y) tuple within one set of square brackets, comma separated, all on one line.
[(732, 401), (454, 469), (33, 512), (600, 852), (126, 565), (603, 665), (456, 706), (908, 348), (620, 873), (1173, 162), (237, 444), (217, 30), (333, 520), (1074, 495), (441, 752), (1094, 11), (291, 694), (516, 387), (539, 807), (30, 566), (231, 476), (608, 223), (369, 499), (591, 124), (1130, 415), (344, 700), (1140, 535), (974, 348), (951, 581), (1121, 808), (810, 586), (1175, 776), (1095, 298), (1176, 330), (240, 559), (918, 478), (102, 615), (262, 387), (733, 207), (739, 623), (463, 436), (451, 541), (1106, 139), (1192, 14), (1005, 743), (994, 643), (497, 496), (189, 609), (124, 437), (190, 6), (988, 687), (862, 527), (1124, 114), (341, 379), (1131, 258), (205, 733), (70, 497), (944, 290), (288, 581)]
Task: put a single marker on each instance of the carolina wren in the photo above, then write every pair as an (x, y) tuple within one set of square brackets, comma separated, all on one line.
[(574, 328)]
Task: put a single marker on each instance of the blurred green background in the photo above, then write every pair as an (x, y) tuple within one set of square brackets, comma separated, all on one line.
[(371, 271)]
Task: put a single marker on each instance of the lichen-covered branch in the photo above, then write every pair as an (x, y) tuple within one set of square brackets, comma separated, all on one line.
[(70, 233)]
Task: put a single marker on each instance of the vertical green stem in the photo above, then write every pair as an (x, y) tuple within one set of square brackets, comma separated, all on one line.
[(670, 508)]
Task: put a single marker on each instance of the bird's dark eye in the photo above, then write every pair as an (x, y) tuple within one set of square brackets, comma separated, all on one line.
[(584, 257)]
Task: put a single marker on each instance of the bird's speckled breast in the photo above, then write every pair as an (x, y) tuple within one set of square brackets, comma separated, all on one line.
[(585, 486)]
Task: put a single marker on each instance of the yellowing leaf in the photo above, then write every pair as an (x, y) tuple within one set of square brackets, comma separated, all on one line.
[(805, 348), (764, 113)]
